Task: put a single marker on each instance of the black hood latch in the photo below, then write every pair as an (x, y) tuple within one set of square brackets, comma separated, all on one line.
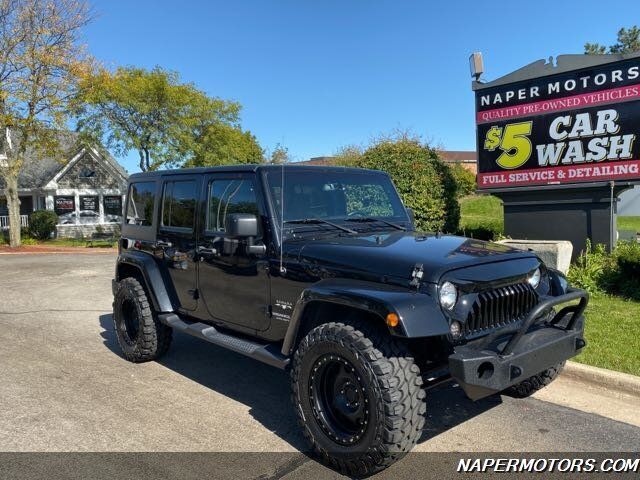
[(416, 275)]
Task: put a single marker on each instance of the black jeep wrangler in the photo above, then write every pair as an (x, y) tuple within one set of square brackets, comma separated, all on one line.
[(320, 271)]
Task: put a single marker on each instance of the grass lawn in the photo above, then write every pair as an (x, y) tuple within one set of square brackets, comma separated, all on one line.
[(629, 223), (612, 331), (64, 242), (78, 242), (481, 210), (486, 210)]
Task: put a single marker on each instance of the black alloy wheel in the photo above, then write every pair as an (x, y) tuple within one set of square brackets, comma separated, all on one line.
[(340, 402)]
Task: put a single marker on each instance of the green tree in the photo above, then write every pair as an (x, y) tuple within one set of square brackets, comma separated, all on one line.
[(40, 61), (425, 183), (628, 42), (221, 144), (465, 179), (151, 112), (279, 155)]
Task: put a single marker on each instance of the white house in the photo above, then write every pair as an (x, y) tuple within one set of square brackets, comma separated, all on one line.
[(85, 189)]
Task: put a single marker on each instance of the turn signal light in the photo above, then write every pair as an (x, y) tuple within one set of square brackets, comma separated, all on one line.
[(392, 320)]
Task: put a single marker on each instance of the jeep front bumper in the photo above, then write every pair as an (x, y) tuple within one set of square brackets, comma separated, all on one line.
[(507, 357)]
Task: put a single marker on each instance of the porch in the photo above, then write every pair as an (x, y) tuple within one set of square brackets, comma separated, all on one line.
[(4, 221)]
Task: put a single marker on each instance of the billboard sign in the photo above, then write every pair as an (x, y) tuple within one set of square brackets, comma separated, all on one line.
[(567, 128)]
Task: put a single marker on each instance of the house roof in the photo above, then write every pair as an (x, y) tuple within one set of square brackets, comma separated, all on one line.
[(455, 156), (37, 172)]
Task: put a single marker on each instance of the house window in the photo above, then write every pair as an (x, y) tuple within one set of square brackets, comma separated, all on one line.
[(63, 205), (89, 203), (65, 209), (86, 172), (112, 208)]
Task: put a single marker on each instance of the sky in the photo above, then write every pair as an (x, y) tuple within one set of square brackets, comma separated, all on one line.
[(315, 76)]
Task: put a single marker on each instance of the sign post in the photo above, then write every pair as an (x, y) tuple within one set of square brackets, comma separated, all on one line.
[(559, 143)]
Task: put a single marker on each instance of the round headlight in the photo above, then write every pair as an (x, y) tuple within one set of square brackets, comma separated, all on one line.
[(534, 278), (448, 295)]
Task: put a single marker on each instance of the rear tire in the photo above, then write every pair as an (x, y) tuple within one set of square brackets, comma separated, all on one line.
[(531, 385), (140, 335), (358, 396)]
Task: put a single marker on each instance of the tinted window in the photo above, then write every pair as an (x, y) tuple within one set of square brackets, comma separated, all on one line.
[(140, 203), (179, 204), (229, 196)]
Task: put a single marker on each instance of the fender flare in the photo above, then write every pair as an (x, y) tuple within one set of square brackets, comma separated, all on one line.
[(420, 315), (152, 277)]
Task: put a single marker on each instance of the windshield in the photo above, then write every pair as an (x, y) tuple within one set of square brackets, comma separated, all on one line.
[(335, 196)]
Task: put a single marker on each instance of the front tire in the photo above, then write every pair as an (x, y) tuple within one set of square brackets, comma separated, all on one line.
[(531, 385), (358, 396), (140, 335)]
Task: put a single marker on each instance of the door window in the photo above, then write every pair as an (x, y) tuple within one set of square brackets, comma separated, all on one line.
[(179, 204), (140, 203), (227, 196)]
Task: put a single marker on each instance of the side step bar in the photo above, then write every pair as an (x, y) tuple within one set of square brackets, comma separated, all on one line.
[(266, 353)]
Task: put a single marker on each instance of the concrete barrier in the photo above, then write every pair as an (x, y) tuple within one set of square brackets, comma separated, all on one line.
[(554, 253)]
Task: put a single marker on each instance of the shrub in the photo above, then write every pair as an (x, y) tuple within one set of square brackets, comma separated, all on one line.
[(592, 269), (488, 231), (628, 259), (28, 241), (616, 273), (42, 223), (465, 180), (425, 183)]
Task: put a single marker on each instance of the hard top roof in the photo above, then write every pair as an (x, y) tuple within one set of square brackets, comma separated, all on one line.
[(243, 168)]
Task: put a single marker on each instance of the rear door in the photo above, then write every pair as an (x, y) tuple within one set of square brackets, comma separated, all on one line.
[(177, 237)]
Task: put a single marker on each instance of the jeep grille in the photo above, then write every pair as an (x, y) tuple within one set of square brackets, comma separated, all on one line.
[(499, 307)]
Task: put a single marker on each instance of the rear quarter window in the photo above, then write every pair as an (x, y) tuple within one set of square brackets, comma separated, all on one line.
[(140, 201)]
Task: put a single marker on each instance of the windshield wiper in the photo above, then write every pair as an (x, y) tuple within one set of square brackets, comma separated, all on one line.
[(373, 219), (321, 221)]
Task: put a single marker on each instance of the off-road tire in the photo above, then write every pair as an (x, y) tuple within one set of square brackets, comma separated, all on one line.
[(532, 384), (152, 338), (393, 383)]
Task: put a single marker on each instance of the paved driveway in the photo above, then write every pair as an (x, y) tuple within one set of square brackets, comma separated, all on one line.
[(65, 387)]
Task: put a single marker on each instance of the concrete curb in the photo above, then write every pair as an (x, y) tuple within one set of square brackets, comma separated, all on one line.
[(601, 377)]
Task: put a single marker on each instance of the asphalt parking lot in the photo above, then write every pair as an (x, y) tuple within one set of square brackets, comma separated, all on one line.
[(65, 388)]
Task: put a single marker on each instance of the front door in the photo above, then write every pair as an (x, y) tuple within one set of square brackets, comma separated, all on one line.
[(176, 240), (233, 284)]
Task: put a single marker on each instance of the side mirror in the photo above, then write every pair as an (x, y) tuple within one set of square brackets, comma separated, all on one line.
[(241, 225), (412, 217)]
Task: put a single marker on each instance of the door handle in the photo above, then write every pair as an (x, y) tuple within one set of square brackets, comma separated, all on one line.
[(207, 250), (163, 244)]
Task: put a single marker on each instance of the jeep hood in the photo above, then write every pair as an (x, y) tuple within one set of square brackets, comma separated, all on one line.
[(395, 255)]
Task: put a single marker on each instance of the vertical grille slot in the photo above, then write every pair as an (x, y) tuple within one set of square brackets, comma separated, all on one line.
[(499, 307)]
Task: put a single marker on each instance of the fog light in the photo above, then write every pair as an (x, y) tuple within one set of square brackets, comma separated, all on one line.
[(455, 329), (534, 279)]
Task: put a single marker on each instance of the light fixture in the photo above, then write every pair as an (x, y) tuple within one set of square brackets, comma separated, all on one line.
[(448, 295), (534, 278), (455, 329)]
